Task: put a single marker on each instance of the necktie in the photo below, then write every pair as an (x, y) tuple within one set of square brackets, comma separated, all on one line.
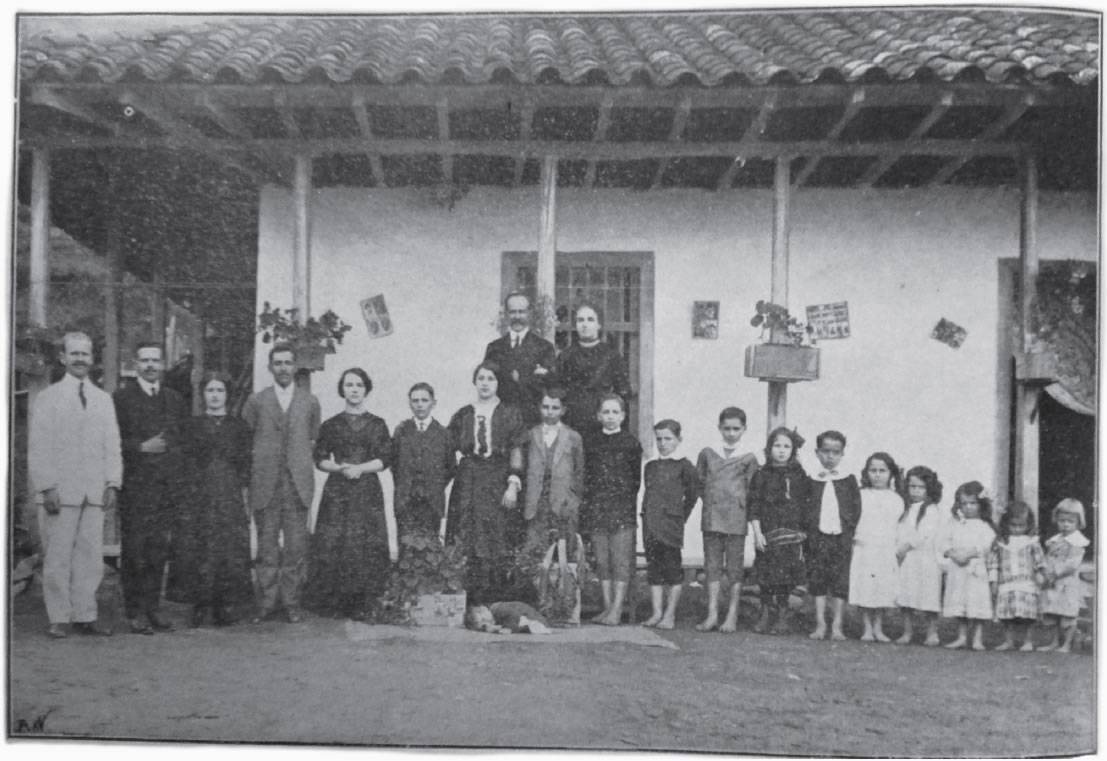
[(153, 391), (81, 395), (828, 474), (515, 342), (422, 426), (482, 436)]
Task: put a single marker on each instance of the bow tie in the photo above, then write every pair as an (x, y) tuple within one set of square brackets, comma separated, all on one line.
[(828, 474)]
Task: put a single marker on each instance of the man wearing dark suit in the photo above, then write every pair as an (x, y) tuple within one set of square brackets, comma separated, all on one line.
[(285, 422), (76, 468), (524, 358), (149, 417)]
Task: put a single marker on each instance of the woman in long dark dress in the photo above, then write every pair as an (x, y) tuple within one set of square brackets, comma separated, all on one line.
[(483, 515), (210, 566), (349, 563), (588, 370)]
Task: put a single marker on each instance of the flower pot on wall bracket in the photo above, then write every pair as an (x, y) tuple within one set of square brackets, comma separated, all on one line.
[(1035, 367), (311, 357), (782, 362)]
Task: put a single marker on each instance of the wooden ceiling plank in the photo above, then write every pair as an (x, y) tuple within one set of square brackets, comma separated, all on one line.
[(365, 126), (884, 163), (856, 103), (442, 109), (227, 121), (602, 125), (748, 140), (526, 119), (676, 134), (1013, 113), (68, 105), (280, 101)]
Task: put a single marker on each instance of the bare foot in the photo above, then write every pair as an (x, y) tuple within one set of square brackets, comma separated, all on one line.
[(652, 620), (610, 620), (904, 640), (868, 637), (881, 636), (729, 626), (819, 633), (1064, 649), (932, 640), (665, 623), (977, 645), (837, 635), (955, 645), (709, 624), (1048, 648), (599, 617), (1005, 645), (1027, 647)]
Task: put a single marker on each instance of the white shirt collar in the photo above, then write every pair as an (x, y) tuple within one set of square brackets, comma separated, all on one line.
[(73, 380), (835, 475), (739, 449), (147, 387), (520, 335), (551, 428), (1076, 539), (426, 423)]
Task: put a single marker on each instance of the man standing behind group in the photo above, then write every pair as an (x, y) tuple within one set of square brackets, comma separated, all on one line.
[(525, 360), (285, 423), (76, 468), (149, 417)]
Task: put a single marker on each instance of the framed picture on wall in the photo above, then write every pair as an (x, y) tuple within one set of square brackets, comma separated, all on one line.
[(705, 319), (376, 316)]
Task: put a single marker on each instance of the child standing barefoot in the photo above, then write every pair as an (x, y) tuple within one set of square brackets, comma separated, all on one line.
[(778, 494), (1015, 571), (725, 471), (1064, 554), (873, 570), (612, 477), (920, 577), (968, 596), (672, 489)]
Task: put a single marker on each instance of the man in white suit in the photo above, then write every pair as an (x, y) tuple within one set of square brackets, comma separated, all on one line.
[(76, 470)]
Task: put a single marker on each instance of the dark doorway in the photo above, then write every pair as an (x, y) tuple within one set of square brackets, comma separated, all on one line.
[(1066, 461)]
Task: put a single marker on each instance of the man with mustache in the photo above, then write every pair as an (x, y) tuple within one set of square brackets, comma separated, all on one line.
[(76, 470), (285, 422), (524, 358), (149, 417)]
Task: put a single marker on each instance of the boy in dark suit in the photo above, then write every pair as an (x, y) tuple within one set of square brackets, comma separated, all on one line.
[(832, 515), (423, 464), (524, 359)]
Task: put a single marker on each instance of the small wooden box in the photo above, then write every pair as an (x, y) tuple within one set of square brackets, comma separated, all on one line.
[(439, 610), (782, 362)]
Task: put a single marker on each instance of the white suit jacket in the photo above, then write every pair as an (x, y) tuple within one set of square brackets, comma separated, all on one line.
[(73, 449)]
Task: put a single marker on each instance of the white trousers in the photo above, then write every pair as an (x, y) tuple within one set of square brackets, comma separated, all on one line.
[(73, 566)]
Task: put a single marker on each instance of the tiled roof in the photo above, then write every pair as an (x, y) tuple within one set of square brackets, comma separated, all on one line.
[(951, 44)]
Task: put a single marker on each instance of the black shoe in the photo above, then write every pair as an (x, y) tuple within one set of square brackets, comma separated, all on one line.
[(762, 624), (139, 627), (199, 613), (92, 627), (158, 621), (222, 616), (292, 615), (57, 631), (262, 614)]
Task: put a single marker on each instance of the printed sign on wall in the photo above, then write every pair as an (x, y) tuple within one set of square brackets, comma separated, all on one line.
[(376, 316), (949, 333), (705, 319), (829, 320)]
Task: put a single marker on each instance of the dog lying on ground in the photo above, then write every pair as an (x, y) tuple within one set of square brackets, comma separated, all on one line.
[(506, 618)]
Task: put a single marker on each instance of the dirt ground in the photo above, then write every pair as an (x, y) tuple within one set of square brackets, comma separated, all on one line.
[(739, 693)]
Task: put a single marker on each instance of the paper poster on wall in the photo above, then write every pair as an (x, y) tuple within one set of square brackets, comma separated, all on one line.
[(949, 333), (829, 320), (375, 312), (705, 319)]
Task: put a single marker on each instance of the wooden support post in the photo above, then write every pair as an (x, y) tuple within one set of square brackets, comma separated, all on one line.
[(1026, 423), (782, 185), (301, 232), (197, 377), (547, 241), (112, 292), (157, 306), (40, 237)]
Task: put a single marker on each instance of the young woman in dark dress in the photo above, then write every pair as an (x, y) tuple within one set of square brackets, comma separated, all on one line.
[(210, 565), (349, 562), (484, 516), (588, 370)]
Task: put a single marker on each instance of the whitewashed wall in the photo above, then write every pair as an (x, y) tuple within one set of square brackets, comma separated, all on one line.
[(901, 259)]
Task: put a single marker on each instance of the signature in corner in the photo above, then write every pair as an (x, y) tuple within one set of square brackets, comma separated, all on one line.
[(36, 725)]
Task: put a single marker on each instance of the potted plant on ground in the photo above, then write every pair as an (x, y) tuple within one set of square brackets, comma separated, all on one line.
[(786, 352), (427, 587), (313, 339)]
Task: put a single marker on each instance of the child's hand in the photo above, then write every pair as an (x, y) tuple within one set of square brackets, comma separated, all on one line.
[(511, 496), (759, 541), (352, 472)]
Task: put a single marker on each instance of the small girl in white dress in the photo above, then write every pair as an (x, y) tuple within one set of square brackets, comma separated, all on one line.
[(1064, 554), (873, 569), (920, 576), (968, 541)]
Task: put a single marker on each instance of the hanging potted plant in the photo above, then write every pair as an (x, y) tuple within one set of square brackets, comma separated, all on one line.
[(786, 352), (312, 340)]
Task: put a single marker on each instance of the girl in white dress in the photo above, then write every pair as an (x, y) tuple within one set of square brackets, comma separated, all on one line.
[(1063, 595), (873, 569), (968, 541), (920, 576)]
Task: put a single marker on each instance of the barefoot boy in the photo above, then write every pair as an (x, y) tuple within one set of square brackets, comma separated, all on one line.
[(833, 511), (725, 471), (672, 490)]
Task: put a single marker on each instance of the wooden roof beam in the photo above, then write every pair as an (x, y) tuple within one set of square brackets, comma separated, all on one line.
[(752, 135), (189, 136), (526, 119), (280, 102), (1013, 113), (885, 162), (67, 105), (676, 134), (365, 126), (602, 124), (442, 108), (855, 105), (232, 125)]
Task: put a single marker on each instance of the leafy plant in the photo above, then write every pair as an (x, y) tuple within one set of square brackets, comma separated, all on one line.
[(283, 326), (782, 327), (424, 567)]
